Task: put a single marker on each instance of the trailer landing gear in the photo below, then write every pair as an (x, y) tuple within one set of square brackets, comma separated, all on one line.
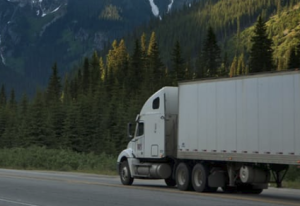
[(279, 172)]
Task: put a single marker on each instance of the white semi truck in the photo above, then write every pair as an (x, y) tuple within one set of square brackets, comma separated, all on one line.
[(235, 133)]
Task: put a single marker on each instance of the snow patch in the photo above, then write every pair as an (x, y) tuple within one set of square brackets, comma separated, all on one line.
[(170, 5), (55, 10), (1, 55), (155, 9), (3, 59)]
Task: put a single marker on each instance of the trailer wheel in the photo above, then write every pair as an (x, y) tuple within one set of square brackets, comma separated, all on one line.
[(183, 177), (200, 178), (170, 182), (125, 174)]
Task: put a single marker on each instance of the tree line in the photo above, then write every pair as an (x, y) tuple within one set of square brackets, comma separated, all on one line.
[(87, 111)]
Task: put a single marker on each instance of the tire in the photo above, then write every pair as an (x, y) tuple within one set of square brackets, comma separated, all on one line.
[(183, 177), (200, 178), (170, 182), (125, 174)]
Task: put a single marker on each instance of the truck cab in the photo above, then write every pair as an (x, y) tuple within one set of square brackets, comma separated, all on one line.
[(155, 138)]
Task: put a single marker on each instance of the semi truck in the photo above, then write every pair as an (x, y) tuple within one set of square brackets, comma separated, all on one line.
[(238, 134)]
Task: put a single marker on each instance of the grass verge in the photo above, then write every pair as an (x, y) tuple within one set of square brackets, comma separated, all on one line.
[(40, 158)]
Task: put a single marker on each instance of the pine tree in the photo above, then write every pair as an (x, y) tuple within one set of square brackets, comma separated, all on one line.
[(188, 72), (210, 56), (178, 70), (233, 68), (241, 68), (23, 120), (86, 82), (95, 73), (122, 63), (143, 48), (71, 133), (2, 96), (10, 135), (155, 65), (136, 66), (54, 87), (38, 128), (261, 54)]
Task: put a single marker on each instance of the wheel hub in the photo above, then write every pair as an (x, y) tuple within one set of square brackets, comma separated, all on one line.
[(198, 178)]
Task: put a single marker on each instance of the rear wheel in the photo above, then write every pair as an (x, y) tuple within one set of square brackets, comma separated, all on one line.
[(183, 177), (200, 178), (125, 174)]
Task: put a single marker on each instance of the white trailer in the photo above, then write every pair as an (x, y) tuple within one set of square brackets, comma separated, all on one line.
[(231, 133)]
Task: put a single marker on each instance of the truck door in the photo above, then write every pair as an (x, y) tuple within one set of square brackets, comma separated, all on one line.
[(155, 129), (139, 140)]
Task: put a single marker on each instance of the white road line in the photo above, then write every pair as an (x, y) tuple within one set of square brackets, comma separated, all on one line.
[(15, 202)]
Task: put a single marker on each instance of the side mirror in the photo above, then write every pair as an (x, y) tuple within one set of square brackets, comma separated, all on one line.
[(129, 129)]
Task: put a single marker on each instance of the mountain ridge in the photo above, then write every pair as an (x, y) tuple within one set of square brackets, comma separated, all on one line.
[(36, 33)]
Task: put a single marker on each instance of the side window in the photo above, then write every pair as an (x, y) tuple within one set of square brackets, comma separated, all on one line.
[(155, 104), (140, 129)]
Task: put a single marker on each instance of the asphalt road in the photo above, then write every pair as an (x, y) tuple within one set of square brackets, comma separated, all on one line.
[(35, 188)]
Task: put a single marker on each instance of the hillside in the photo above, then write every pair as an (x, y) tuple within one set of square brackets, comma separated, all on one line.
[(283, 28), (35, 34), (229, 19)]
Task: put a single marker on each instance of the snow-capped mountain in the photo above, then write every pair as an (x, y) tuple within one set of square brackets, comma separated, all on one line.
[(41, 7), (36, 33)]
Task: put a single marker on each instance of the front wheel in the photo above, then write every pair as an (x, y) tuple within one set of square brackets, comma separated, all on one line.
[(125, 174)]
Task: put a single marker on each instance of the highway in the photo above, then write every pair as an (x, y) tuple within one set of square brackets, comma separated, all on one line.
[(38, 188)]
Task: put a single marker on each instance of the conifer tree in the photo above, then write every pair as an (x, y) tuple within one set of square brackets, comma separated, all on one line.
[(233, 68), (2, 96), (188, 72), (12, 101), (241, 68), (102, 69), (71, 126), (154, 63), (54, 87), (143, 48), (122, 63), (178, 70), (95, 73), (10, 135), (210, 56), (136, 66), (38, 129), (86, 83), (261, 54), (23, 120)]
